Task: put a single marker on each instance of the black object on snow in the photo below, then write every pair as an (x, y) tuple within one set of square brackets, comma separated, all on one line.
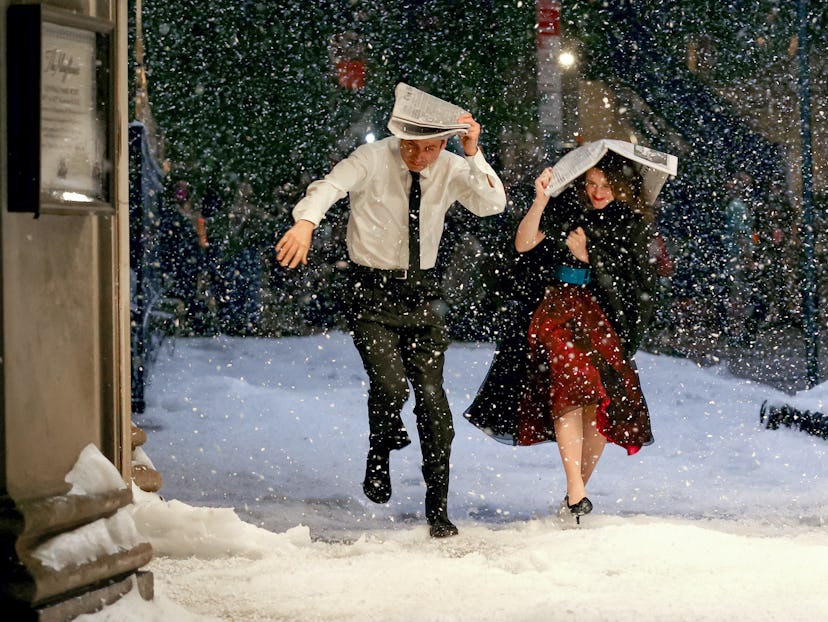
[(814, 423)]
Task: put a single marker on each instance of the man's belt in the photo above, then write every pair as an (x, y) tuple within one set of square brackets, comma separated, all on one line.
[(574, 276), (399, 274)]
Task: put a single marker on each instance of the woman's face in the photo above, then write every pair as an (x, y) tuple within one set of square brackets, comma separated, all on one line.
[(598, 189)]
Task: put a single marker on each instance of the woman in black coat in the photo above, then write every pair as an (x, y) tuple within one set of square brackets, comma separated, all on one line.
[(565, 372)]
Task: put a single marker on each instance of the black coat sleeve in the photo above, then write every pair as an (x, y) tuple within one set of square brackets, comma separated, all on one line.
[(624, 279)]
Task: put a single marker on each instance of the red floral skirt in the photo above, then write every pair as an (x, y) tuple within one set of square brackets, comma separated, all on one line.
[(576, 360)]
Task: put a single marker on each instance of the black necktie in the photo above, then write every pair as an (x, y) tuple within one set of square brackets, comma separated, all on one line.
[(414, 222)]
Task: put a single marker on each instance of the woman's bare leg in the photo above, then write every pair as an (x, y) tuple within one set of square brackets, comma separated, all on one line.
[(594, 443), (569, 433)]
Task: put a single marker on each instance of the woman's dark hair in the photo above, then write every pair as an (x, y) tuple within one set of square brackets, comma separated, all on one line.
[(624, 179)]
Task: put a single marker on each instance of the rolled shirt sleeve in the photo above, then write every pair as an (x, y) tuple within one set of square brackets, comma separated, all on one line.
[(348, 175), (484, 195)]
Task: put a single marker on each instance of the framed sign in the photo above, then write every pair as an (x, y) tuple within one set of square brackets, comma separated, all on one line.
[(60, 111)]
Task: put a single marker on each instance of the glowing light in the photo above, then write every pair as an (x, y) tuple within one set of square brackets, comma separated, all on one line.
[(566, 59), (369, 137)]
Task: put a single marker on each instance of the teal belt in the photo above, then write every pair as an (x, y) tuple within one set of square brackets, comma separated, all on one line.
[(575, 276)]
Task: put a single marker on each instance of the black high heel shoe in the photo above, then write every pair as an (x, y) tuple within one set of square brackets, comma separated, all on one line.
[(584, 506)]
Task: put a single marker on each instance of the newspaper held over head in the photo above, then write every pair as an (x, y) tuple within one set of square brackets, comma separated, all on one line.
[(420, 116), (653, 166)]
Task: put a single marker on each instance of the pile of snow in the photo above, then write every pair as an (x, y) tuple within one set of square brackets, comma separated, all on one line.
[(262, 444), (91, 474)]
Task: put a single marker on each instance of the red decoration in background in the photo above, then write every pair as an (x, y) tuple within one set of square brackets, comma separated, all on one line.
[(351, 74), (549, 18)]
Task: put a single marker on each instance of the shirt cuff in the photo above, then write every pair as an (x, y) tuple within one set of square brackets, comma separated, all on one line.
[(304, 214), (478, 159)]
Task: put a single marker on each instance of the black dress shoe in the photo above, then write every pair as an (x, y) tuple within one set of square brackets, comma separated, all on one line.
[(377, 482), (441, 528)]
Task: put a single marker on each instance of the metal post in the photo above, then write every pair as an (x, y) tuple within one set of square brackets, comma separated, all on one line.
[(809, 282)]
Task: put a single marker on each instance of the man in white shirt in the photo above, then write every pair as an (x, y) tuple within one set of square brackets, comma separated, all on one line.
[(396, 315)]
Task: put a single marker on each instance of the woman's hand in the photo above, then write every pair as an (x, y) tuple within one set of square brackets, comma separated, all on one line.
[(576, 243), (541, 182)]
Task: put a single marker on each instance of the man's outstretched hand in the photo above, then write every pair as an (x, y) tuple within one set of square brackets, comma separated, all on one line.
[(294, 246)]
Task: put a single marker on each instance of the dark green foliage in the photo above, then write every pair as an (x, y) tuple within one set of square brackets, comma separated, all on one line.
[(247, 91)]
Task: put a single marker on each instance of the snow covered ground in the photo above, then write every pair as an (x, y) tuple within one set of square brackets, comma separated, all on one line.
[(262, 443)]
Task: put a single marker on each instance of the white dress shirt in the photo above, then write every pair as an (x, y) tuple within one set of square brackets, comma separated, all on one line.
[(377, 181)]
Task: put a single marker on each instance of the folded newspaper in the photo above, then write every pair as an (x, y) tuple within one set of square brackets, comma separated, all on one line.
[(653, 166), (420, 116)]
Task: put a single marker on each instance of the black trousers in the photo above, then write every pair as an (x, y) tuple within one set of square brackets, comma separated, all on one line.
[(398, 327)]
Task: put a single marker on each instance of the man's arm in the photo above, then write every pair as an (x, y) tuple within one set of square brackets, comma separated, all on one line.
[(294, 246), (484, 194)]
